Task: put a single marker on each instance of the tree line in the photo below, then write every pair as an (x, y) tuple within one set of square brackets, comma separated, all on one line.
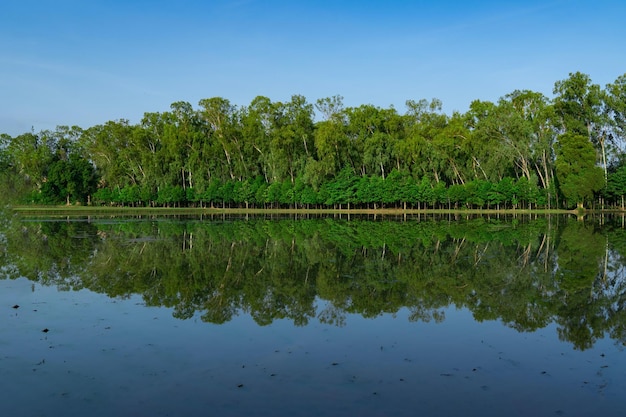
[(523, 151)]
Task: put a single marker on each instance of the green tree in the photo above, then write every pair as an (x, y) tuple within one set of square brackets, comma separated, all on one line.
[(451, 159), (31, 155), (12, 185), (373, 133), (579, 177), (615, 98), (342, 189), (183, 144), (292, 138), (494, 150), (256, 126), (423, 122), (616, 187), (579, 106), (332, 149), (539, 115), (113, 150), (223, 136)]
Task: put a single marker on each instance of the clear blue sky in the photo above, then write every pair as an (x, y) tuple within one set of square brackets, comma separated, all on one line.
[(84, 62)]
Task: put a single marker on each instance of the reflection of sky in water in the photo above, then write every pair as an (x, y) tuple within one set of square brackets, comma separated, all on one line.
[(116, 357)]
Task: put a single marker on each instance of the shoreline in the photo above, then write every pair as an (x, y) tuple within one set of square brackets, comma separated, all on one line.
[(91, 210)]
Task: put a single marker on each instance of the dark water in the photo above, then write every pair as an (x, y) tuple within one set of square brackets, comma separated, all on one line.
[(305, 317)]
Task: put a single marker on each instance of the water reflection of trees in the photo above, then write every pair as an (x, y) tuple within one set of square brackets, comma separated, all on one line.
[(525, 273)]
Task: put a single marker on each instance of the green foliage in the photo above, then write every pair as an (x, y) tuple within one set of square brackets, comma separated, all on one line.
[(616, 188), (615, 100), (578, 175), (342, 189), (501, 154), (578, 104)]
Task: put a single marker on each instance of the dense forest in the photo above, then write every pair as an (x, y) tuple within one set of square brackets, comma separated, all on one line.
[(525, 151)]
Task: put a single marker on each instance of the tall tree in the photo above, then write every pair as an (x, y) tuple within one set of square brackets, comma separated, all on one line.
[(423, 122), (219, 115), (256, 122), (616, 109), (372, 132), (292, 137), (32, 154), (452, 161), (331, 147), (12, 184), (111, 149), (579, 109), (576, 169), (538, 114), (185, 146), (497, 131)]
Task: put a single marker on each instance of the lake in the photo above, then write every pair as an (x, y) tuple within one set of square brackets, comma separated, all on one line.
[(313, 316)]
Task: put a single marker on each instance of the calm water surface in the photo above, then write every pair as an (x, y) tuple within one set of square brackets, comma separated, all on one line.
[(312, 317)]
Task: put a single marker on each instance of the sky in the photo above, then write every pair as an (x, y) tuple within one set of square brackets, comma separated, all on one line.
[(86, 62)]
